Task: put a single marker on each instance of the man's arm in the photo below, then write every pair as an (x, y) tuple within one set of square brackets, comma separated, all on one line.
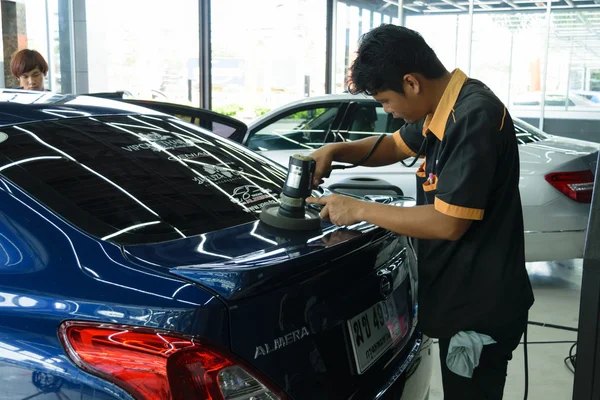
[(421, 222)]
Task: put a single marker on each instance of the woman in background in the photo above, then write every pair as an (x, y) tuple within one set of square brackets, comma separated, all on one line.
[(30, 68)]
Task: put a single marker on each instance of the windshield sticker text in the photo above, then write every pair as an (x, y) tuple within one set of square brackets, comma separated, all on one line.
[(188, 156), (253, 197), (158, 142), (216, 175)]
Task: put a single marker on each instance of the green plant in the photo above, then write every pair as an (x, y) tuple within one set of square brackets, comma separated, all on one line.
[(258, 111), (228, 109), (300, 115), (307, 114)]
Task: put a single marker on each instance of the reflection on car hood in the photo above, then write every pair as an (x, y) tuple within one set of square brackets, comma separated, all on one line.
[(261, 257), (21, 106)]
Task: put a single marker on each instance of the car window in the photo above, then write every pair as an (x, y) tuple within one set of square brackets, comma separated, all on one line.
[(370, 119), (591, 97), (307, 128), (218, 124), (219, 129), (138, 179)]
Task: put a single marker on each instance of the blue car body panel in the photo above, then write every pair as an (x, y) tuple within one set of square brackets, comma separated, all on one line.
[(278, 300), (51, 272)]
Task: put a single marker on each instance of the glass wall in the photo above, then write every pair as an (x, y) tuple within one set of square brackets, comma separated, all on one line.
[(508, 54), (514, 67), (572, 101), (268, 55), (352, 22), (452, 46), (515, 53), (149, 49)]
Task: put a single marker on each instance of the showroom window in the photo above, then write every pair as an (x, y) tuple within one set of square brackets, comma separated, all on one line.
[(573, 69), (150, 50), (352, 22), (452, 47), (267, 56), (512, 67)]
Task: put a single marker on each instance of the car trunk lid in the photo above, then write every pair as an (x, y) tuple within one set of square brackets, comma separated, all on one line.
[(557, 154), (319, 313)]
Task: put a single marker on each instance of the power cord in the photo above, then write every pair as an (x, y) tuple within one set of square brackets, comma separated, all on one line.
[(365, 158), (370, 153), (419, 153), (526, 361), (572, 358)]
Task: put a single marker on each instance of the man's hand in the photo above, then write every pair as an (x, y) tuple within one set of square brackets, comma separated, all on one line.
[(324, 158), (340, 210), (420, 222)]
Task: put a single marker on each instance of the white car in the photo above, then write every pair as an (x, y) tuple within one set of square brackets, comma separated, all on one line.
[(557, 174)]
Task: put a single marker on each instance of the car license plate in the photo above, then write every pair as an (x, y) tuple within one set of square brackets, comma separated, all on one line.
[(375, 330)]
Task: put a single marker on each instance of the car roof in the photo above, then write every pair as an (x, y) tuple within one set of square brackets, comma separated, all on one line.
[(21, 106), (328, 98), (331, 98)]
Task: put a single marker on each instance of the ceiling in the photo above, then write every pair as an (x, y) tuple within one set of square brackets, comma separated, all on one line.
[(479, 6), (575, 23)]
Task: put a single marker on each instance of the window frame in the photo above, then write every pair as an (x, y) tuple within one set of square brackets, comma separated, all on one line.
[(206, 117)]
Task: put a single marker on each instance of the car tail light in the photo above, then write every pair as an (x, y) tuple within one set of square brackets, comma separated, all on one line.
[(157, 365), (576, 185)]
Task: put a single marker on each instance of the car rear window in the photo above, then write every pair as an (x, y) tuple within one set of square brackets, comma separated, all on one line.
[(138, 179)]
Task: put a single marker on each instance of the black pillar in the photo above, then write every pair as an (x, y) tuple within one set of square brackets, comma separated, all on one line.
[(64, 40), (205, 55), (14, 37), (587, 368), (329, 46)]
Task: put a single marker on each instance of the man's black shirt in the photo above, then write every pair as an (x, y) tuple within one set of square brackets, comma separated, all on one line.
[(471, 171)]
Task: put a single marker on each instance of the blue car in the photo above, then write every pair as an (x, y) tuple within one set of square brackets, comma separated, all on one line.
[(133, 266)]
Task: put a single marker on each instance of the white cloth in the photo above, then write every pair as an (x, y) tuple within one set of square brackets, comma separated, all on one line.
[(464, 351)]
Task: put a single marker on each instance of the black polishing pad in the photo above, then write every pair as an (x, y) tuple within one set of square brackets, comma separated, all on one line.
[(270, 216)]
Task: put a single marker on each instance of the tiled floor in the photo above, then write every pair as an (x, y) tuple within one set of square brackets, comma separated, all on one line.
[(557, 287)]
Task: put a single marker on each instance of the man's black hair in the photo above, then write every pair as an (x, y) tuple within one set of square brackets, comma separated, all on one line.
[(386, 54)]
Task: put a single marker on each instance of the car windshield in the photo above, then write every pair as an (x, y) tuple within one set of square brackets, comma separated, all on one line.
[(138, 179)]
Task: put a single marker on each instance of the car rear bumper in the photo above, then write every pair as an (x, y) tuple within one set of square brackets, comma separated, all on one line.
[(419, 374), (550, 246), (408, 378)]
